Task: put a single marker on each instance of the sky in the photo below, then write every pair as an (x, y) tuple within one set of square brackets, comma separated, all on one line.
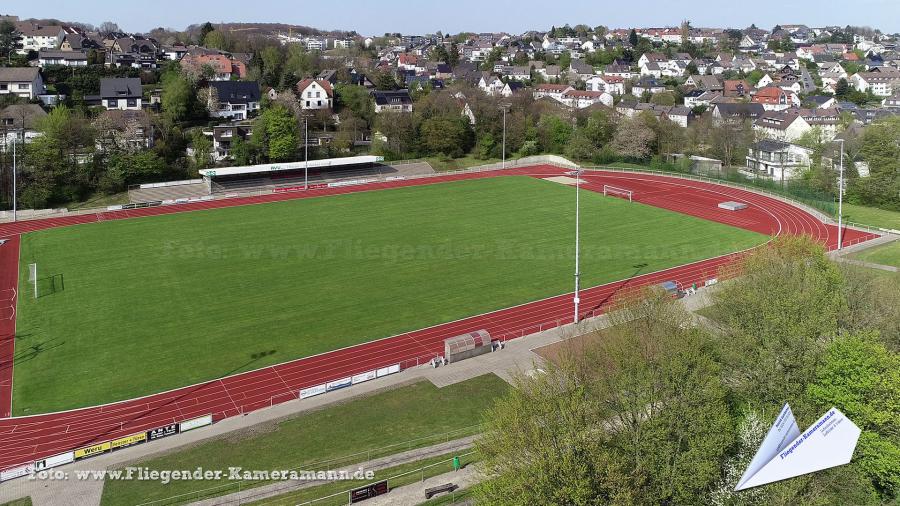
[(375, 17)]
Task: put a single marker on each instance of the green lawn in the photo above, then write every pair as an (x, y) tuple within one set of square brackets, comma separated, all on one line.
[(134, 307), (25, 501), (872, 216), (885, 254), (367, 424)]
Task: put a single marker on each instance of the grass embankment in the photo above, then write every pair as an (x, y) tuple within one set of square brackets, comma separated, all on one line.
[(885, 254), (441, 164), (408, 417)]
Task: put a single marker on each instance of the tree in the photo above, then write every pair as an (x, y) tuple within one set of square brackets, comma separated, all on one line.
[(109, 27), (633, 139), (205, 30), (863, 377), (880, 149), (277, 131), (202, 146), (633, 38), (450, 135), (177, 96), (9, 38), (399, 131), (554, 134), (778, 316), (841, 88), (215, 39), (439, 54), (617, 425), (453, 54), (357, 99)]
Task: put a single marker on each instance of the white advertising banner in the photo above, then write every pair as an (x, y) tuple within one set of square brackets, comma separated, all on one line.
[(312, 391), (384, 371), (338, 384), (56, 460), (829, 442), (366, 376), (195, 423), (16, 472)]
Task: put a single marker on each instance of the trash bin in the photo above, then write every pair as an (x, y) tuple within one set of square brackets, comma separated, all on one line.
[(456, 463)]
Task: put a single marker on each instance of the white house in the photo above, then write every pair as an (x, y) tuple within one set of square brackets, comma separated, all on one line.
[(121, 93), (778, 160), (490, 85), (882, 83), (554, 91), (48, 57), (36, 37), (610, 84), (25, 82), (785, 126), (315, 94), (581, 99)]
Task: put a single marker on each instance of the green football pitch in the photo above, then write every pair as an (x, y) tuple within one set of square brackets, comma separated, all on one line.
[(134, 307)]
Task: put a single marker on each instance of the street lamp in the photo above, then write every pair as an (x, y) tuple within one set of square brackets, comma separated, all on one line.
[(305, 151), (505, 108), (577, 300), (840, 244)]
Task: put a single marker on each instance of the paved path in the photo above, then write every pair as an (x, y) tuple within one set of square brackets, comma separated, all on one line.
[(256, 494), (415, 493), (843, 254)]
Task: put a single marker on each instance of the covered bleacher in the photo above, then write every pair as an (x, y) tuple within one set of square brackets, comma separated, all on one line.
[(275, 176)]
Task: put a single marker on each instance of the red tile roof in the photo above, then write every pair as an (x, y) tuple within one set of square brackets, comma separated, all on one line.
[(321, 82)]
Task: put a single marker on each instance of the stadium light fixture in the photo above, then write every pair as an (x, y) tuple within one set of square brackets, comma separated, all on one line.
[(576, 299), (504, 106), (840, 243)]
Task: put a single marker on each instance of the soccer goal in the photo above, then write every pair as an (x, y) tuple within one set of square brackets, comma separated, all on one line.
[(620, 192), (32, 278)]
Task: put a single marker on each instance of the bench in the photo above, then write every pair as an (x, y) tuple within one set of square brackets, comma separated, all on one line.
[(433, 491)]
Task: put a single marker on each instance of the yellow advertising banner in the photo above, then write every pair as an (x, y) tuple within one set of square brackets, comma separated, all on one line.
[(90, 451), (128, 441)]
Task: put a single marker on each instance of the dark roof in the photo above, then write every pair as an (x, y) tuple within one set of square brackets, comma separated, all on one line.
[(392, 97), (769, 145), (751, 110), (236, 92), (21, 115), (120, 87), (18, 74)]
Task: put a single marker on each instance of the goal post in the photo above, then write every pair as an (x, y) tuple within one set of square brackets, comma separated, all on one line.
[(620, 192), (32, 278)]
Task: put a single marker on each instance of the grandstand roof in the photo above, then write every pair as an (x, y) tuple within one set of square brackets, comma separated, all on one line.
[(276, 167)]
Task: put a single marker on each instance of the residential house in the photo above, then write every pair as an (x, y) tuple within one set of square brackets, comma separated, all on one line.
[(315, 94), (36, 37), (704, 82), (360, 79), (397, 100), (581, 99), (490, 85), (610, 84), (19, 123), (778, 160), (736, 88), (828, 121), (786, 126), (698, 98), (580, 70), (882, 83), (122, 93), (236, 100), (647, 85), (820, 102), (25, 82), (79, 42), (722, 111), (774, 98), (510, 88), (549, 72), (554, 91), (223, 137), (223, 66), (47, 57), (648, 58), (620, 70)]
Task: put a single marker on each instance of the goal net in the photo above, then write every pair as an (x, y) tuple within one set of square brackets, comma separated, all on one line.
[(619, 192), (32, 278)]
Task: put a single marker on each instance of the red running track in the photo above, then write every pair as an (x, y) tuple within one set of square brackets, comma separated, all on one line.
[(25, 439)]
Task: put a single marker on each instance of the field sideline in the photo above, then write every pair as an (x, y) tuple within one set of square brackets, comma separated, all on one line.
[(150, 304)]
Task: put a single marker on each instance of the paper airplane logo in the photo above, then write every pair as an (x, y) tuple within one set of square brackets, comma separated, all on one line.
[(786, 452)]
